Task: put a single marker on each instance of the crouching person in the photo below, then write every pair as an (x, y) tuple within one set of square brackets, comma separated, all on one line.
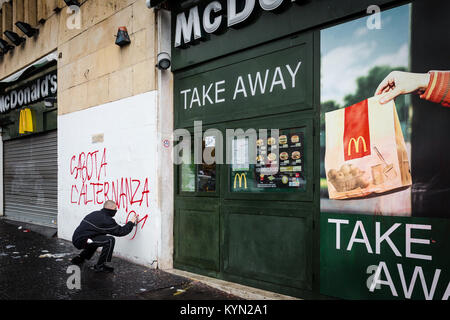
[(96, 230)]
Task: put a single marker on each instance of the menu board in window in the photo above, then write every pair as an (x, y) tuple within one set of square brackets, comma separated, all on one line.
[(279, 165)]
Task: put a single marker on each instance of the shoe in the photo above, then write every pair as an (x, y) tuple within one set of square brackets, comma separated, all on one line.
[(103, 268), (77, 260)]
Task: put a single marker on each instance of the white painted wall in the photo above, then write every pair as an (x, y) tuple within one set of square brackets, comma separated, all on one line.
[(129, 129)]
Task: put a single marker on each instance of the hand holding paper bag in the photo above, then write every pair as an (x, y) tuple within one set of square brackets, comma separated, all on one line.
[(365, 151)]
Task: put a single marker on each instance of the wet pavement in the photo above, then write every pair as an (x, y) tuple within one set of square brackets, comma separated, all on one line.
[(34, 266)]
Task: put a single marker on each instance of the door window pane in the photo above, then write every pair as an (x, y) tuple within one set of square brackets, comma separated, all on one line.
[(200, 177), (187, 177), (206, 172), (278, 165)]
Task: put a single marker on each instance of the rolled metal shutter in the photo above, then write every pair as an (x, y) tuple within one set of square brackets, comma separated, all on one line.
[(30, 171)]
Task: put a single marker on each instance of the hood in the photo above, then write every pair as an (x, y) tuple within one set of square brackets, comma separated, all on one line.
[(109, 212)]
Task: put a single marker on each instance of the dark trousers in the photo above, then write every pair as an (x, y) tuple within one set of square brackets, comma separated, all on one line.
[(106, 242)]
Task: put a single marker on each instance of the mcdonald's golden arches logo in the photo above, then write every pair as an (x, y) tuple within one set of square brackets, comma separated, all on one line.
[(240, 176), (356, 131), (356, 144), (26, 121)]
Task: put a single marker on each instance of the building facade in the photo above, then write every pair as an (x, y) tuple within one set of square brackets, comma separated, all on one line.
[(82, 121), (283, 218)]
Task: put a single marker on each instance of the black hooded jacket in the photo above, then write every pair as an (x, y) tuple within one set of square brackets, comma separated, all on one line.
[(99, 223)]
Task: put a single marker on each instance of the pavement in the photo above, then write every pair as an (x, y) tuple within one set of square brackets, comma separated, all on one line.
[(34, 266)]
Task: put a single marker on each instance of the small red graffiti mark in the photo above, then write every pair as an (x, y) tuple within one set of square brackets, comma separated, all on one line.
[(138, 221), (71, 194), (166, 143)]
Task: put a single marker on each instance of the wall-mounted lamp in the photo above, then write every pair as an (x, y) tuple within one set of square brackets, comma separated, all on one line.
[(26, 28), (14, 38), (72, 3), (5, 46), (163, 60), (122, 37), (157, 4), (49, 102)]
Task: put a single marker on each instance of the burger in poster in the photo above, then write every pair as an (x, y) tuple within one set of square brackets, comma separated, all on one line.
[(271, 141), (295, 155), (283, 139), (260, 142), (272, 157), (295, 139), (284, 156)]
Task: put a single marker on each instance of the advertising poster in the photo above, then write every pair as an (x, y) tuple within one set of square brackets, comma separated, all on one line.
[(375, 243)]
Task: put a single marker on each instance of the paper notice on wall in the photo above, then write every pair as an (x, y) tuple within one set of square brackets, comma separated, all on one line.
[(240, 158), (210, 141)]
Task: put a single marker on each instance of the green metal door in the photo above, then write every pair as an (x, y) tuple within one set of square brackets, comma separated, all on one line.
[(243, 222)]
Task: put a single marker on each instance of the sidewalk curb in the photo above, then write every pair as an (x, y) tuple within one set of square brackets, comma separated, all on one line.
[(238, 290), (48, 232)]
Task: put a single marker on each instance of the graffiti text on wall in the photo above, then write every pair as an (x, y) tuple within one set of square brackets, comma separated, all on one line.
[(89, 170)]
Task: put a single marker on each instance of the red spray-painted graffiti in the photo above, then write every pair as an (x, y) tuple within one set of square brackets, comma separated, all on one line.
[(88, 169), (138, 221)]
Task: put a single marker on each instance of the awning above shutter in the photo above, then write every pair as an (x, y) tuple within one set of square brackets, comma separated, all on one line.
[(32, 67)]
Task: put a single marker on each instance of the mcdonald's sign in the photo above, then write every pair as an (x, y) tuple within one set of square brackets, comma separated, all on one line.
[(240, 176), (26, 121), (356, 144), (356, 131)]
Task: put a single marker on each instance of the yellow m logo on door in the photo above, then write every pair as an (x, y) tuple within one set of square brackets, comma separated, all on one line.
[(240, 176), (356, 144)]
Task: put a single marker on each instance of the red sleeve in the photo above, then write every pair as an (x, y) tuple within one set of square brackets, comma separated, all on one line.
[(438, 89)]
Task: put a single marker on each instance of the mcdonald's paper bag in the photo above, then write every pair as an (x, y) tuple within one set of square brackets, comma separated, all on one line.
[(365, 152)]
